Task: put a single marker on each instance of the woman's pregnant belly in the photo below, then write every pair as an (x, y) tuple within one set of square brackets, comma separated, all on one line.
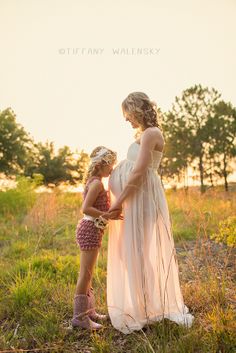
[(119, 176)]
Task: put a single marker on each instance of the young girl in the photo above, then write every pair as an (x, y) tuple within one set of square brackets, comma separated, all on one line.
[(89, 234)]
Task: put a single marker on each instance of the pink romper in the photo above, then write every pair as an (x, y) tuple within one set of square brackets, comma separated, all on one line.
[(88, 236)]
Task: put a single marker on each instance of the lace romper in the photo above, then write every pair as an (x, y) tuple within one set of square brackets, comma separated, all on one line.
[(88, 236)]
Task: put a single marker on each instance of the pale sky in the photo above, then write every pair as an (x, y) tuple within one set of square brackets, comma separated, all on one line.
[(74, 97)]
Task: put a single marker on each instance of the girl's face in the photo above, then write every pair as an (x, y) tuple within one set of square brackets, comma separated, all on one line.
[(105, 170), (131, 118)]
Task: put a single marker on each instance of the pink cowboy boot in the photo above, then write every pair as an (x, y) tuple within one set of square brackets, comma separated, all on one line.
[(80, 314), (92, 312)]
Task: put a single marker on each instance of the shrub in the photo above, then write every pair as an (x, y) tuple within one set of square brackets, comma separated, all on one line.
[(227, 232)]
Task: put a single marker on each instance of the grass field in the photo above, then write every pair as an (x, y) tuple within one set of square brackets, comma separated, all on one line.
[(40, 261)]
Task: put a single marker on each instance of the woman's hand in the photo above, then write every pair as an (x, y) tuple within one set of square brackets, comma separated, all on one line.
[(115, 214), (115, 211), (117, 206)]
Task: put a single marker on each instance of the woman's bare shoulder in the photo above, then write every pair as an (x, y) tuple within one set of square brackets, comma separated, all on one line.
[(154, 133)]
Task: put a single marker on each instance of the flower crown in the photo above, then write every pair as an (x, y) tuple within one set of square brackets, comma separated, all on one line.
[(104, 155)]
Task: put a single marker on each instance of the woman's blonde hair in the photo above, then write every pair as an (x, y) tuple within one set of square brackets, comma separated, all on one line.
[(100, 156), (142, 108)]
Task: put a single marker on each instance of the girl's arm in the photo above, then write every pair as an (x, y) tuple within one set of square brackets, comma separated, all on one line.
[(87, 207), (147, 145)]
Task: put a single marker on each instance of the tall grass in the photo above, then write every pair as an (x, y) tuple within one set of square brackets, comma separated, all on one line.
[(40, 262)]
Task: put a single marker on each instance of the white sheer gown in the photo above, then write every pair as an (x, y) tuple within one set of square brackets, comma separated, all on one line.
[(142, 274)]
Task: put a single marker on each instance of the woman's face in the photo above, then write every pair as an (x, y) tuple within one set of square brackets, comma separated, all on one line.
[(131, 118)]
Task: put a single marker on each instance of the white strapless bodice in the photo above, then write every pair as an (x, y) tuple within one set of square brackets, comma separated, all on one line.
[(121, 172), (132, 154)]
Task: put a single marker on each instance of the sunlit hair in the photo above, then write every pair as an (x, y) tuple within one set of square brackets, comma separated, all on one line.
[(99, 157), (142, 108)]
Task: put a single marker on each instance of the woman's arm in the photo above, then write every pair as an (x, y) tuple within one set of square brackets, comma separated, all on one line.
[(147, 145)]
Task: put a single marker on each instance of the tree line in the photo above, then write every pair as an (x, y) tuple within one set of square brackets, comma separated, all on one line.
[(199, 130), (20, 155)]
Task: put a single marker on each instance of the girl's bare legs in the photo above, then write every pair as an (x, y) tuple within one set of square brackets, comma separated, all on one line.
[(87, 263)]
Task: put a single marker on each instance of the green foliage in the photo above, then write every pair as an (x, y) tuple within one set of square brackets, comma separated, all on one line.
[(185, 126), (221, 127), (25, 290), (57, 167), (19, 154), (15, 143), (37, 287), (49, 266), (200, 131), (19, 200), (62, 268), (226, 232)]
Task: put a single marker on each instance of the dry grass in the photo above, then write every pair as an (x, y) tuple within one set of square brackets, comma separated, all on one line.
[(39, 266)]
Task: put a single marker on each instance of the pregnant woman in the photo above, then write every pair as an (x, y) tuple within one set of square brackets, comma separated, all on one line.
[(142, 275)]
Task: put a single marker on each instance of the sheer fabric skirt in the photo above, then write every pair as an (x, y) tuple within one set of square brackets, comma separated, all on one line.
[(142, 274)]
